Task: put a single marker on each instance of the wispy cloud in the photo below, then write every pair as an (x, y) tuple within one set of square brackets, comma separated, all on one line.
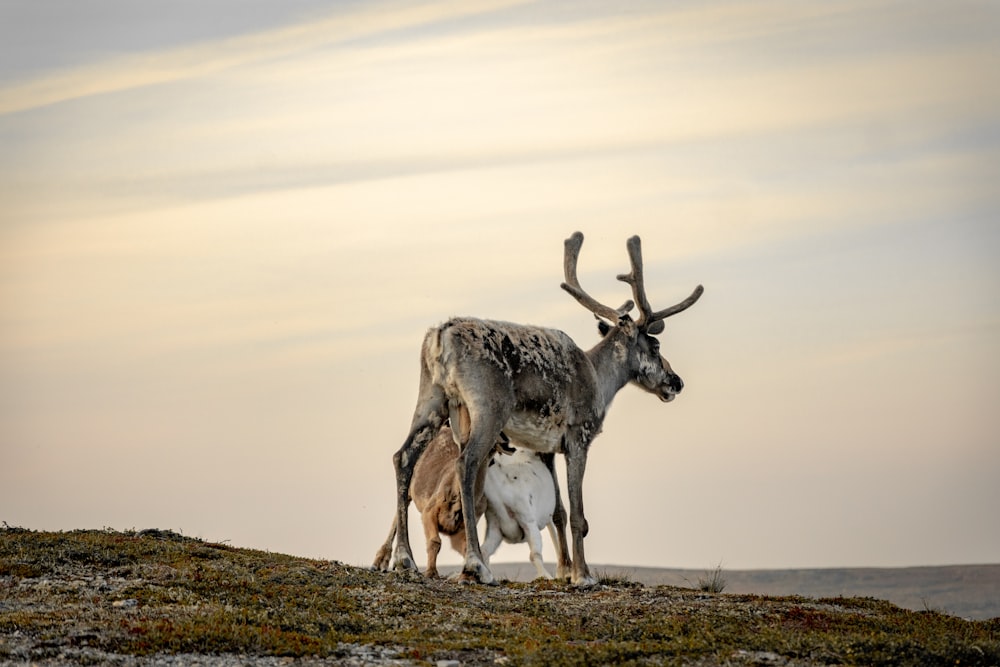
[(499, 94), (702, 106), (144, 69)]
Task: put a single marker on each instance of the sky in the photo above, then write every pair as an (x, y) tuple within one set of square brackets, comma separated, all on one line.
[(225, 228)]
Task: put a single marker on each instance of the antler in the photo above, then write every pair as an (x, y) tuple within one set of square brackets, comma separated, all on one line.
[(572, 284), (649, 320)]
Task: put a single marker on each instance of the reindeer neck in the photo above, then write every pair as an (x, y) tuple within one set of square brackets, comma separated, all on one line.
[(612, 373)]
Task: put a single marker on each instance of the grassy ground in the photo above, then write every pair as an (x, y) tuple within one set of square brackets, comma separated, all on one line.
[(88, 596)]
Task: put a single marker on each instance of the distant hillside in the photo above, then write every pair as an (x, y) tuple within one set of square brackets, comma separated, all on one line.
[(968, 591)]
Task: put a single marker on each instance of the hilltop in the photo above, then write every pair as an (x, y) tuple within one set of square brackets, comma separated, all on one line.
[(155, 597)]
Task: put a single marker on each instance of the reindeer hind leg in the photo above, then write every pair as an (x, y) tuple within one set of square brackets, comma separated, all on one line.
[(475, 454), (534, 539), (427, 420)]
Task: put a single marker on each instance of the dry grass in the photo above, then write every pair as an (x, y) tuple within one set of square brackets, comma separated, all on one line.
[(714, 581), (95, 596)]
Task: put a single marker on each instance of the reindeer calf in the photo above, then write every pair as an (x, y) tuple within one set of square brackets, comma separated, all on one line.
[(520, 500), (518, 493), (437, 493)]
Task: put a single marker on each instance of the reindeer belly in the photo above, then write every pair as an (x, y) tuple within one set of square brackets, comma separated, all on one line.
[(532, 431)]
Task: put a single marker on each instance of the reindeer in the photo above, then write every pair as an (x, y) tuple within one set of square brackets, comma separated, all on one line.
[(517, 490), (520, 500), (436, 491), (537, 386)]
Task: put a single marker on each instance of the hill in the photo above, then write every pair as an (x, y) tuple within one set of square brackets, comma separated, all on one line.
[(968, 591), (158, 598)]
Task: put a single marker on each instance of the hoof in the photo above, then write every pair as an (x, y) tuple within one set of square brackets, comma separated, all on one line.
[(476, 572), (405, 563), (381, 562), (469, 579)]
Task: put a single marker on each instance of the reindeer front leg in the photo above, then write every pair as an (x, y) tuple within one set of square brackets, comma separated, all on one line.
[(429, 519), (576, 464), (557, 528)]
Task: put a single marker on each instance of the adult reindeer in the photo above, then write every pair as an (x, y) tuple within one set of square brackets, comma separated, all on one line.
[(539, 388)]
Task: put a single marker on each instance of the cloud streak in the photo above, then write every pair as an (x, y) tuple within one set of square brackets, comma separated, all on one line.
[(146, 69), (378, 96)]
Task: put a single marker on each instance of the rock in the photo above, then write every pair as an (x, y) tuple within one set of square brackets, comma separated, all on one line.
[(760, 657)]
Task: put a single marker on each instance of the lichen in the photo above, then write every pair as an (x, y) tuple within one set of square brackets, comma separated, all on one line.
[(58, 593)]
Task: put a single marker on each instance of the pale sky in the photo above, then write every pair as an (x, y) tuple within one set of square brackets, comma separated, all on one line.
[(225, 227)]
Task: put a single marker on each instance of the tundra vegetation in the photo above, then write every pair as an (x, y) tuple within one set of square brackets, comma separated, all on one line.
[(138, 598)]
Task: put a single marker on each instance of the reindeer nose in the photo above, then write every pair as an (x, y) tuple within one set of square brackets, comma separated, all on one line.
[(676, 383)]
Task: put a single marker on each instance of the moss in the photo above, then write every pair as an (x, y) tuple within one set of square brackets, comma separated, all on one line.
[(157, 591)]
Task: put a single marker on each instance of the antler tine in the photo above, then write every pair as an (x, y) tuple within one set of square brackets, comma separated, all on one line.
[(634, 279), (652, 321), (676, 308), (572, 284)]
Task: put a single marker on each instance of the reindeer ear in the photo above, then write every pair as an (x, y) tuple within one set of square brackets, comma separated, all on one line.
[(655, 328), (629, 326), (625, 323)]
